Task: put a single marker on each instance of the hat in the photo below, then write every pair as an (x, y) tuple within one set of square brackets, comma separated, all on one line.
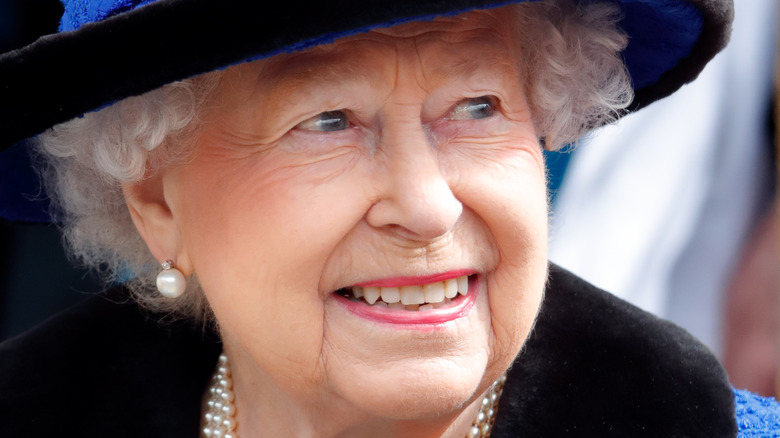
[(107, 50)]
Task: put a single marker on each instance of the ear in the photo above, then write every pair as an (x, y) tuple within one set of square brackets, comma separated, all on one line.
[(155, 222)]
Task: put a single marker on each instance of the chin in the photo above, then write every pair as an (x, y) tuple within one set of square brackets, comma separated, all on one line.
[(426, 390), (438, 374)]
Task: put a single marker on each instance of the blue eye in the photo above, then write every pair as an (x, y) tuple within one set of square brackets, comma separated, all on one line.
[(328, 121), (474, 108)]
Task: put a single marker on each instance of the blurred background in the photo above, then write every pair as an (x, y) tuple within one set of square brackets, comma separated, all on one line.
[(672, 209), (36, 279)]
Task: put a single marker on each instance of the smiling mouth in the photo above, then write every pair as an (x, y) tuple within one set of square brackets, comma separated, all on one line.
[(422, 297)]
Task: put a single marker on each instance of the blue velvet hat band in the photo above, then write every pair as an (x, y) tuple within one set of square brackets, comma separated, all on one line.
[(663, 31), (78, 12)]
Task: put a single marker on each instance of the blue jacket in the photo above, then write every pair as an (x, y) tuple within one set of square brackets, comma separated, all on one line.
[(757, 417)]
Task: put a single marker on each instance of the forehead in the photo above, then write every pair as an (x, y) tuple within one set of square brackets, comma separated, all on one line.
[(446, 46)]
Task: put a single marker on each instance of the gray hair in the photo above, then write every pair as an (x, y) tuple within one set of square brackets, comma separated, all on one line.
[(575, 80)]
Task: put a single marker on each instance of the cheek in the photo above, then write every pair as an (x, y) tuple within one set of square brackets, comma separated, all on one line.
[(259, 236), (260, 210), (504, 182), (508, 192)]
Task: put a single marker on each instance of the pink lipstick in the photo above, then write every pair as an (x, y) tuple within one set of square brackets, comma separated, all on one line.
[(395, 313)]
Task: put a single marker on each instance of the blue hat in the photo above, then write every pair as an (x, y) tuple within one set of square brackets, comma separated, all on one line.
[(107, 50)]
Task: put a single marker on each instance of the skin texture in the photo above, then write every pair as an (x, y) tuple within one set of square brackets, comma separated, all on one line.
[(274, 216)]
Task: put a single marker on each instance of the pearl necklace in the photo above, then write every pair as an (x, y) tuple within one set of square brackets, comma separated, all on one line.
[(483, 423), (219, 419)]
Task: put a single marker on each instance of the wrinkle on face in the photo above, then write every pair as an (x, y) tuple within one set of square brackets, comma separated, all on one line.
[(277, 216)]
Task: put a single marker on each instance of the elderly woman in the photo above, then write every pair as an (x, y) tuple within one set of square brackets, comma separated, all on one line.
[(350, 206)]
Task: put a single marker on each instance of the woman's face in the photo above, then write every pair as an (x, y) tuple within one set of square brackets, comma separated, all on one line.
[(391, 160)]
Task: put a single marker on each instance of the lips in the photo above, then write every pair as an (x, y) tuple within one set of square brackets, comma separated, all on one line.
[(421, 297), (424, 314)]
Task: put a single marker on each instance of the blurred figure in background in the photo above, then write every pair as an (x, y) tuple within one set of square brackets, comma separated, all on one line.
[(664, 223), (752, 306)]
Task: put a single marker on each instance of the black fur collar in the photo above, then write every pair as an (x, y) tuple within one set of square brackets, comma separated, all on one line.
[(596, 366)]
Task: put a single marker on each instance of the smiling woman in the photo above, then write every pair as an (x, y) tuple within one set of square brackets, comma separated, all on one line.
[(359, 224), (394, 194), (135, 137)]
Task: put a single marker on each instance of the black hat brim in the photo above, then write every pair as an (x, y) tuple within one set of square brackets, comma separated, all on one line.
[(64, 75)]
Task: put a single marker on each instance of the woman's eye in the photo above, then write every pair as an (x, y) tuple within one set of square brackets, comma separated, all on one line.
[(474, 108), (328, 121)]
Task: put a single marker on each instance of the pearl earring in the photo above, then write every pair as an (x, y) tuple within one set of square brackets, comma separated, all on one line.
[(170, 281)]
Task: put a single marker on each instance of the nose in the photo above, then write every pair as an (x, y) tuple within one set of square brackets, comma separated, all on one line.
[(415, 199)]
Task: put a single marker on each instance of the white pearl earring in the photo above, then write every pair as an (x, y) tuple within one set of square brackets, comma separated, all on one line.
[(170, 281)]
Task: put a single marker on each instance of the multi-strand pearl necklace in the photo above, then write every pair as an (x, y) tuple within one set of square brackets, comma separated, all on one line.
[(483, 423), (219, 419)]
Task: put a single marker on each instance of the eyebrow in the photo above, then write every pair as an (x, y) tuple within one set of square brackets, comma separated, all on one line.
[(313, 71), (467, 66), (464, 68)]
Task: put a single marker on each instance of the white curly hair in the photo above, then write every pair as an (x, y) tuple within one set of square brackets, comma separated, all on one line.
[(575, 80)]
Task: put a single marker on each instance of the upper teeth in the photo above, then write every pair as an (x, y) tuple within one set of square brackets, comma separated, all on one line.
[(417, 294)]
